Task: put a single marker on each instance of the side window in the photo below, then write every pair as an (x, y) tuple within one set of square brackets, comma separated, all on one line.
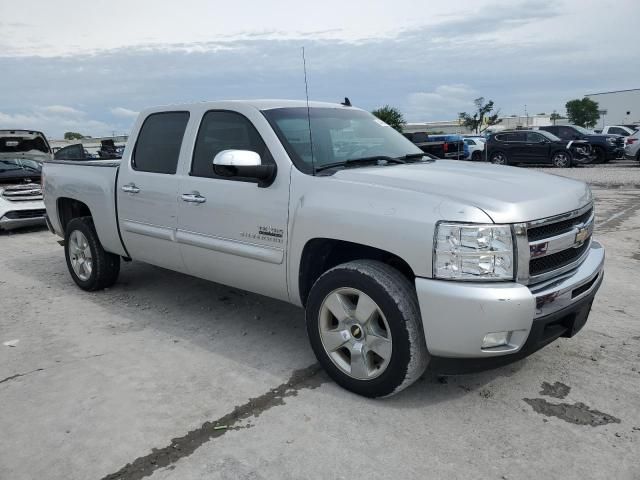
[(420, 137), (158, 146), (71, 152), (618, 131), (222, 130), (468, 141), (533, 137), (511, 137), (565, 133)]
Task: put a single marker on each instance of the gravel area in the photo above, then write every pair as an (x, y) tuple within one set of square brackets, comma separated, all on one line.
[(603, 175)]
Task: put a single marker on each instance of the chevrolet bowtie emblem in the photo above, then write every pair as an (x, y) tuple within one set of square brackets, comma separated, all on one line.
[(582, 235)]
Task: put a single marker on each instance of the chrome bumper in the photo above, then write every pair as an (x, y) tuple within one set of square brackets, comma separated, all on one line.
[(11, 223), (456, 316)]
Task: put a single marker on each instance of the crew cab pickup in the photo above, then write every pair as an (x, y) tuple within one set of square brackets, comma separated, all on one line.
[(400, 261)]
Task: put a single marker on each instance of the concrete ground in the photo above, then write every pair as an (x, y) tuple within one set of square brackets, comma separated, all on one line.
[(169, 377)]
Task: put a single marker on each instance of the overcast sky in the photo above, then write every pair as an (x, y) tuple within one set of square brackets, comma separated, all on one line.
[(90, 66)]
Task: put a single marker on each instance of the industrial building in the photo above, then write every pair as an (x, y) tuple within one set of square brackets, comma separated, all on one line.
[(619, 107)]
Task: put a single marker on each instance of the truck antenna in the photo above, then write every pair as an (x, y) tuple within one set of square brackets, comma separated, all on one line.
[(306, 91)]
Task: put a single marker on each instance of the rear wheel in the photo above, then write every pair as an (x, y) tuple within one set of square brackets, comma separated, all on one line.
[(499, 158), (476, 156), (561, 159), (90, 266), (365, 328)]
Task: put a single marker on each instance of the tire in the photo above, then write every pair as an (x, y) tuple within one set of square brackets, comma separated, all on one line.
[(89, 265), (600, 155), (476, 156), (395, 352), (499, 158), (561, 159)]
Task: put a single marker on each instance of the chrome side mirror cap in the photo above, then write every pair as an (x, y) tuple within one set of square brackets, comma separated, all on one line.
[(245, 164)]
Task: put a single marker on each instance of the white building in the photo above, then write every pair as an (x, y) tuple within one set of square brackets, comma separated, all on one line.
[(454, 127), (619, 107)]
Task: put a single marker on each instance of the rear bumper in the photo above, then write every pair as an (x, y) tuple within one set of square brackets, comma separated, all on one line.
[(456, 316)]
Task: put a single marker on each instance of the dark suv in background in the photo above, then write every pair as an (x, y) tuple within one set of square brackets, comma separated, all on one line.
[(511, 147), (604, 147)]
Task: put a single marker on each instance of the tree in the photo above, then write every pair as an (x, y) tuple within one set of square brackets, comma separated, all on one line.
[(391, 116), (554, 117), (482, 118), (583, 112), (73, 136)]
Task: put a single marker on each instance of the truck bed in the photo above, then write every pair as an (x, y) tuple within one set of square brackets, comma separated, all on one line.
[(89, 182)]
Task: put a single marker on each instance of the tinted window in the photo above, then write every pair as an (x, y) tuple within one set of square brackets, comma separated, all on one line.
[(566, 133), (534, 137), (420, 137), (468, 141), (159, 141), (510, 137), (225, 131), (72, 152)]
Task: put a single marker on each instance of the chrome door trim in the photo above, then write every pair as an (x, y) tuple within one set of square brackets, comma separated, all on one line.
[(234, 247), (148, 230)]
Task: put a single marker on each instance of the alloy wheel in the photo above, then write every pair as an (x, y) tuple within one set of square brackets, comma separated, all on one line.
[(355, 333), (80, 255)]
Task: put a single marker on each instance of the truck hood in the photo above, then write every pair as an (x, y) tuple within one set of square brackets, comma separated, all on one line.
[(506, 194), (602, 137)]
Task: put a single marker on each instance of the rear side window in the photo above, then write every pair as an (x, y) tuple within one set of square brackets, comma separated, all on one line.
[(510, 137), (223, 130), (158, 146)]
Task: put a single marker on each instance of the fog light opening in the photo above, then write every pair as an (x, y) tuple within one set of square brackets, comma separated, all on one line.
[(496, 339)]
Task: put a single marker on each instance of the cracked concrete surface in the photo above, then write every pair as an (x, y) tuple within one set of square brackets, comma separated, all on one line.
[(100, 381)]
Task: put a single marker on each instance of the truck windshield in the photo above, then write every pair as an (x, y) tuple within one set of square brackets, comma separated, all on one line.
[(338, 135)]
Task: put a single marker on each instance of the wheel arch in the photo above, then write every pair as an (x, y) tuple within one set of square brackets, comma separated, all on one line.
[(70, 208), (322, 254)]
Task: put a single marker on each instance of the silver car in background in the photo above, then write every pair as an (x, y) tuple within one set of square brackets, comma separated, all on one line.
[(632, 145), (21, 155)]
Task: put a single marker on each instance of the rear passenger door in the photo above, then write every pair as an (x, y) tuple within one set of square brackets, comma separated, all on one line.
[(229, 230), (147, 191)]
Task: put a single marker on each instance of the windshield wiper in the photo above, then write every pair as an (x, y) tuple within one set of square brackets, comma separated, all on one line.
[(413, 156), (358, 161)]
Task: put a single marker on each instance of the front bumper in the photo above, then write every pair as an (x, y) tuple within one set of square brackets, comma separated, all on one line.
[(456, 316), (21, 214)]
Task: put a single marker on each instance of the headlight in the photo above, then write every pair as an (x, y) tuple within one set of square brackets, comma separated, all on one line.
[(473, 252), (611, 139)]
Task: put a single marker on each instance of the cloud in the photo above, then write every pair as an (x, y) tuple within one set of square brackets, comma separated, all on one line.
[(441, 103), (514, 53), (62, 110), (123, 112)]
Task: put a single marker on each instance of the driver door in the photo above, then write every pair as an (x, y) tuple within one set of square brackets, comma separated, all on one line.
[(230, 230)]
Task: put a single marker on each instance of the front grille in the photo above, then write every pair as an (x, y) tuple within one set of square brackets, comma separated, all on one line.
[(558, 228), (547, 264), (20, 214), (557, 247), (31, 191)]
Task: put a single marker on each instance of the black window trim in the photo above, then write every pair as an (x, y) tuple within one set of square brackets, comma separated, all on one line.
[(135, 147), (270, 159)]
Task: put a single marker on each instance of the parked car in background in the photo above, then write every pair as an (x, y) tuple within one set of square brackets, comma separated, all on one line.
[(621, 130), (476, 147), (604, 147), (400, 261), (440, 146), (510, 147), (21, 155), (632, 147)]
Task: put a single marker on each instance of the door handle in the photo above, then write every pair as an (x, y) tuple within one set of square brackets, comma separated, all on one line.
[(193, 197), (130, 188)]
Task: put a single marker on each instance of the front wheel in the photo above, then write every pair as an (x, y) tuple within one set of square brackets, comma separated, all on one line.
[(476, 156), (561, 160), (365, 328), (90, 266)]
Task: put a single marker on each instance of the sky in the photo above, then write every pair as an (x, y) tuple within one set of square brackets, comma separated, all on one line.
[(91, 66)]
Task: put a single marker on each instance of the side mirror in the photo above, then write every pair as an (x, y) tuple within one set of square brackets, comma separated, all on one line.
[(244, 163)]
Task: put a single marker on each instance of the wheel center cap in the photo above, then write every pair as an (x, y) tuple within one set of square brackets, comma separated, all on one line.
[(356, 332)]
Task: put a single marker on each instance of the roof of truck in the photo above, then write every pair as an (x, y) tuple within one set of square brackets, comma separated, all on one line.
[(260, 104)]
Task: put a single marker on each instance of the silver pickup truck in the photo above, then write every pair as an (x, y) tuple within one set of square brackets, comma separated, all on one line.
[(401, 261)]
